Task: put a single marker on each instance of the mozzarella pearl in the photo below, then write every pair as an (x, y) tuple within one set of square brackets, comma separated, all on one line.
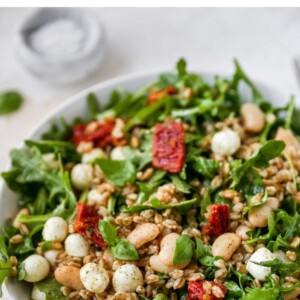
[(36, 268), (91, 156), (55, 229), (225, 142), (36, 294), (257, 271), (51, 256), (281, 256), (127, 278), (82, 176), (76, 245), (94, 278), (117, 153), (51, 162)]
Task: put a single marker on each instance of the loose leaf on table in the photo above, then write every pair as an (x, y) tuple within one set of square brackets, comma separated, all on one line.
[(10, 102), (117, 171), (184, 250)]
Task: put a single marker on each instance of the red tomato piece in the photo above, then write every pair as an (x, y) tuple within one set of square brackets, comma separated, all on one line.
[(87, 221), (168, 147), (203, 290), (157, 95), (219, 220), (98, 132)]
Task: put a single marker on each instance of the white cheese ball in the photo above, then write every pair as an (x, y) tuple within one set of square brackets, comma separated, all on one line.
[(96, 198), (51, 256), (225, 142), (257, 271), (91, 156), (36, 294), (76, 245), (51, 162), (82, 176), (127, 278), (281, 256), (94, 278), (117, 154), (36, 268), (55, 229)]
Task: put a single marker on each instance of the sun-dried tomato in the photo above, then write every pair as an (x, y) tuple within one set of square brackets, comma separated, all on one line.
[(157, 95), (99, 132), (219, 220), (168, 146), (86, 224), (203, 290)]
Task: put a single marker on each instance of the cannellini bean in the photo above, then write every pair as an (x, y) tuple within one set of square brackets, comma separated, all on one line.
[(242, 230), (69, 276), (258, 216), (36, 268), (143, 234), (225, 245), (257, 271), (273, 202), (167, 248), (157, 265), (254, 118), (287, 136), (292, 295), (225, 142)]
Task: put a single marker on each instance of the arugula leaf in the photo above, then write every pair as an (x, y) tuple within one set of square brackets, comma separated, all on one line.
[(201, 249), (180, 184), (21, 271), (51, 288), (184, 250), (234, 290), (117, 171), (120, 248), (183, 206), (204, 166), (181, 67), (283, 269), (260, 159), (60, 131), (5, 264), (266, 294), (160, 297), (93, 106), (9, 102)]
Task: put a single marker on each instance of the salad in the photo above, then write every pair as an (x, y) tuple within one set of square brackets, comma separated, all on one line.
[(181, 190)]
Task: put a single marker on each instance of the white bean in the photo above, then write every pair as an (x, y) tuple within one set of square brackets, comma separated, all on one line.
[(167, 248), (143, 234), (69, 276), (225, 245), (292, 295), (242, 230), (254, 118), (287, 136), (157, 265)]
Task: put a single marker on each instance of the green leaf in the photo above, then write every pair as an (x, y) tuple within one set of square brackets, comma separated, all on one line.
[(108, 232), (160, 297), (124, 250), (201, 249), (47, 245), (184, 250), (5, 264), (21, 271), (260, 159), (181, 67), (93, 106), (266, 294), (10, 102), (180, 184), (117, 171), (281, 268), (233, 289), (204, 166), (51, 288), (60, 131)]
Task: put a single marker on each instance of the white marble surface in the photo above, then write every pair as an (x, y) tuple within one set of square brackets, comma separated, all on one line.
[(264, 40)]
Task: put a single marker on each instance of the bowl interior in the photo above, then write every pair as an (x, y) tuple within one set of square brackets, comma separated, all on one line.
[(76, 106)]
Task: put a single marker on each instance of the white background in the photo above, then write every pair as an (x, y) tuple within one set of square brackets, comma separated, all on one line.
[(264, 40)]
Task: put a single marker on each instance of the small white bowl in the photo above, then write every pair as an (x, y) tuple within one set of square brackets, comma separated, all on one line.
[(64, 69)]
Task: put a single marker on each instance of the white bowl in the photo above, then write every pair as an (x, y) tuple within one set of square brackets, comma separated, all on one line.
[(74, 107), (62, 70)]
